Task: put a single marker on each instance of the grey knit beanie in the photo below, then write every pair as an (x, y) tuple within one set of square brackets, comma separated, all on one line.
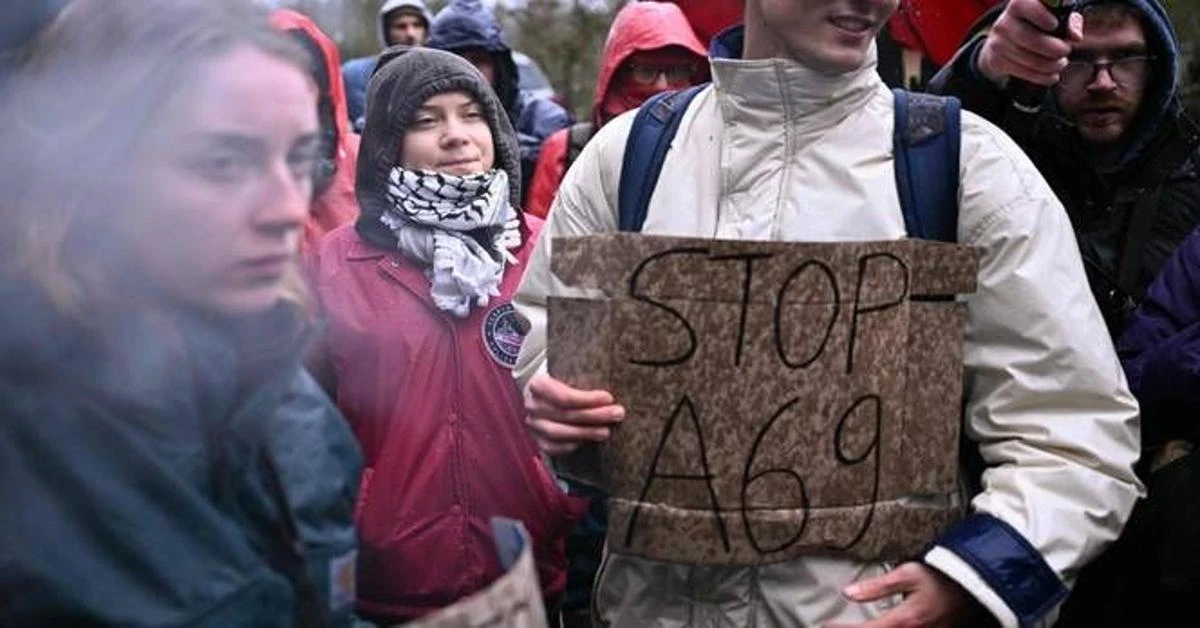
[(404, 79)]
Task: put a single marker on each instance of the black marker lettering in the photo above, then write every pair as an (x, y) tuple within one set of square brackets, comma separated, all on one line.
[(634, 294), (833, 316), (705, 475), (746, 282), (851, 459), (863, 263), (748, 479)]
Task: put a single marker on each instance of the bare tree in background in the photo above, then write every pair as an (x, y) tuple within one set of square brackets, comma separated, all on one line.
[(1185, 14), (565, 37)]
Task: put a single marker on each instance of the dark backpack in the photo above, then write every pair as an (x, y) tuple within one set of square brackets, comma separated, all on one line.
[(577, 138), (926, 142)]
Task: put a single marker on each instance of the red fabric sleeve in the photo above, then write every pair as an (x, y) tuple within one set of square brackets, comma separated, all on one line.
[(551, 166)]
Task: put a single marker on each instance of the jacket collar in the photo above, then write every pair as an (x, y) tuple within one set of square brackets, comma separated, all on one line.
[(392, 265), (360, 250), (766, 92)]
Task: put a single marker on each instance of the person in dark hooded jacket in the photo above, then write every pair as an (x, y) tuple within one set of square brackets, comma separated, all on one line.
[(470, 30), (650, 48), (1111, 136), (165, 460), (421, 339), (398, 23)]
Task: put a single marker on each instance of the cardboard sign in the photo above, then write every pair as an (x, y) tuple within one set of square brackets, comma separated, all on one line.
[(512, 601), (782, 399)]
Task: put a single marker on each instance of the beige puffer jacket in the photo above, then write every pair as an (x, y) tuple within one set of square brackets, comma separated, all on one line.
[(775, 151)]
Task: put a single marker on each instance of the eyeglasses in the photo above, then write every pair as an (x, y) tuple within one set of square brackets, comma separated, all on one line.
[(674, 74), (1125, 71)]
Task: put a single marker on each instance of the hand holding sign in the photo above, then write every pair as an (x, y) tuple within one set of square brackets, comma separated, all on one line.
[(562, 418), (783, 399), (930, 599)]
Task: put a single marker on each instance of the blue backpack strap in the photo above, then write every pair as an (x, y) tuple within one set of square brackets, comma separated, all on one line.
[(650, 137), (927, 142)]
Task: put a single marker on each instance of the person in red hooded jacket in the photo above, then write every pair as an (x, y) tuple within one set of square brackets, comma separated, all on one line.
[(333, 203), (651, 47)]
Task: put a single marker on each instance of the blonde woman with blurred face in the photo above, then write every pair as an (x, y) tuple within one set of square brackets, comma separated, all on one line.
[(164, 459)]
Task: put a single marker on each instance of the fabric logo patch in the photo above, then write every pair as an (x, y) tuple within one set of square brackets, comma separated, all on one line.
[(342, 580), (502, 335)]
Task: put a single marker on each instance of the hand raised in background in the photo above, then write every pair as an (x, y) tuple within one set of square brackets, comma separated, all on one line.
[(1021, 45)]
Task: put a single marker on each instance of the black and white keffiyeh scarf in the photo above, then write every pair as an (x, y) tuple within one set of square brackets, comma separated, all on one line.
[(460, 228)]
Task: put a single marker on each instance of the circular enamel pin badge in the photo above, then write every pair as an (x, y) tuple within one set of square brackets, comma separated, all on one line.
[(502, 334)]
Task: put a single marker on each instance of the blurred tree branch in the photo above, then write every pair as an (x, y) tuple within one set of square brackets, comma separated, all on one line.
[(566, 38), (1185, 14)]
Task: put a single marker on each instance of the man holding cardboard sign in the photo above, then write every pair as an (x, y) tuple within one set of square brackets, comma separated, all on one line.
[(781, 419), (791, 398)]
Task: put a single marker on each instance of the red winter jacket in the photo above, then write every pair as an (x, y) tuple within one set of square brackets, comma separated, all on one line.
[(936, 27), (709, 17), (441, 423), (336, 205), (639, 26)]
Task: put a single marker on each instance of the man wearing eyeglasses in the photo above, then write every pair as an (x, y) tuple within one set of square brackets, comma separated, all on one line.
[(1114, 143), (1111, 137)]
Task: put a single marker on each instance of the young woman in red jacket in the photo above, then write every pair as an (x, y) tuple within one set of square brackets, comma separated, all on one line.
[(421, 340)]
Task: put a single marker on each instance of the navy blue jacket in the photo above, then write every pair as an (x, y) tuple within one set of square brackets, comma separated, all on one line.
[(356, 74), (1161, 349)]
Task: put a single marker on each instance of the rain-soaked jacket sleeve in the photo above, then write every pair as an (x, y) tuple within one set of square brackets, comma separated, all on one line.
[(1047, 403), (539, 119), (551, 165), (581, 207), (320, 463)]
